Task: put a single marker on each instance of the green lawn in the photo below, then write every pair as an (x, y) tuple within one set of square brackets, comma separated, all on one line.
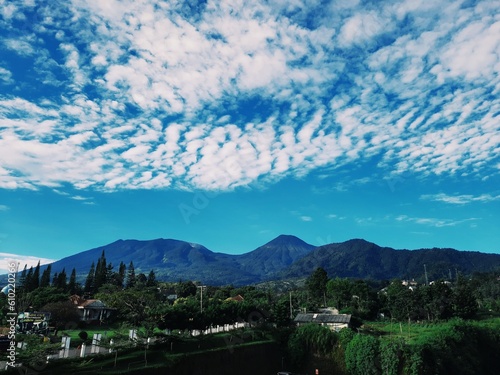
[(419, 332)]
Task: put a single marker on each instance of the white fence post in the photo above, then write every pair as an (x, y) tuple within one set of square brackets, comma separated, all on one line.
[(65, 341), (96, 341)]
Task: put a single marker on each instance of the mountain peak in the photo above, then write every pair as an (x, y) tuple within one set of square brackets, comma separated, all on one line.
[(275, 255), (286, 239)]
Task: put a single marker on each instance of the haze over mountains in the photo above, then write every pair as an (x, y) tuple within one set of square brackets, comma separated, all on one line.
[(282, 258)]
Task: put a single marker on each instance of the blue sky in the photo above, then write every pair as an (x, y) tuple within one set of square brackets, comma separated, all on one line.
[(227, 123)]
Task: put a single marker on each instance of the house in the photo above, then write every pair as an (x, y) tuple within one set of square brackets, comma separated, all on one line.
[(333, 321), (91, 310), (237, 298)]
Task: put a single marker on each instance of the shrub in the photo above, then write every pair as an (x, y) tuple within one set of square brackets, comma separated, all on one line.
[(83, 335)]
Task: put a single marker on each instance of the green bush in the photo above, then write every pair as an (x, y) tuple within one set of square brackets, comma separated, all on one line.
[(362, 355), (83, 335)]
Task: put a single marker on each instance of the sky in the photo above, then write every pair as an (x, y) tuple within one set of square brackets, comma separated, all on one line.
[(228, 123)]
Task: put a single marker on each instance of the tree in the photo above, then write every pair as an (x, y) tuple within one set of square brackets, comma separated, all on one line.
[(310, 338), (62, 313), (464, 298), (132, 305), (151, 282), (391, 356), (141, 280), (437, 301), (54, 280), (185, 289), (109, 272), (362, 355), (90, 280), (121, 273), (35, 280), (28, 280), (72, 286), (22, 278), (399, 301), (35, 352), (131, 280), (61, 282), (43, 296), (316, 283), (340, 291), (45, 279), (101, 272), (281, 313)]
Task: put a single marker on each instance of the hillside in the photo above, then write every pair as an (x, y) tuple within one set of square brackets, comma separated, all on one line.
[(358, 258), (172, 260), (285, 257), (274, 256)]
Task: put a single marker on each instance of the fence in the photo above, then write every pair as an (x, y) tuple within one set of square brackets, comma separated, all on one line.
[(96, 348)]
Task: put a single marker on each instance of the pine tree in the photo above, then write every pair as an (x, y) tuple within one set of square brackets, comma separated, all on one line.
[(62, 280), (35, 280), (89, 281), (72, 282), (22, 278), (121, 274), (54, 280), (316, 283), (101, 272), (109, 272), (45, 279), (28, 282), (151, 279), (130, 276)]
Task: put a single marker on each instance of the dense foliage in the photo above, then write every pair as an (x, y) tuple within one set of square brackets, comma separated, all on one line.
[(450, 345)]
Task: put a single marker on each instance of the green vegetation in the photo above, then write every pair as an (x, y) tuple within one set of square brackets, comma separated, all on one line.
[(164, 354), (447, 327)]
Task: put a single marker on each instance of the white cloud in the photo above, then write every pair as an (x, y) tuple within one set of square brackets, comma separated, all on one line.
[(461, 199), (473, 51), (5, 76), (335, 216), (7, 259), (7, 10), (151, 95), (362, 27), (434, 222), (306, 218), (21, 47), (79, 198), (3, 207)]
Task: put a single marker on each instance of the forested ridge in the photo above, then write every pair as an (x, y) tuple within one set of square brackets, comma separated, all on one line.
[(398, 326)]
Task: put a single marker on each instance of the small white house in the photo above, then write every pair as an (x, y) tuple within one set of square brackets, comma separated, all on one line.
[(333, 321), (91, 310)]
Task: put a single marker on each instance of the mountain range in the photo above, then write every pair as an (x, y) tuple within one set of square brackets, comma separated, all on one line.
[(285, 257)]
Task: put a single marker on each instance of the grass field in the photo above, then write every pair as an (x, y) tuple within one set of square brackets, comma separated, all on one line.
[(420, 332)]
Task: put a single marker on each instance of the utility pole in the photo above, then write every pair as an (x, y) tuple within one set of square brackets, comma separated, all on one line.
[(291, 311), (201, 296), (426, 279)]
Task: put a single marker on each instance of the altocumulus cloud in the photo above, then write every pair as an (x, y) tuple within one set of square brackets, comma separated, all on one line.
[(219, 94)]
